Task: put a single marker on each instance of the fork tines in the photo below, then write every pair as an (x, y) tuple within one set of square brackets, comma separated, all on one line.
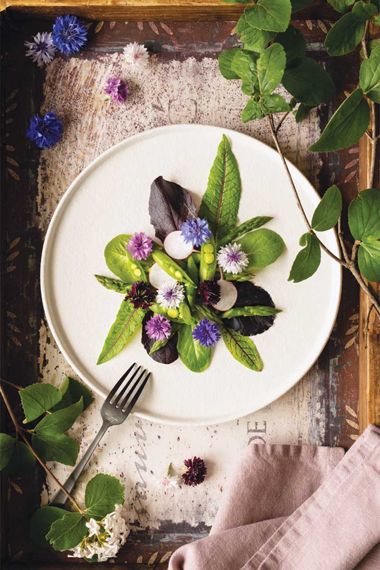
[(136, 377)]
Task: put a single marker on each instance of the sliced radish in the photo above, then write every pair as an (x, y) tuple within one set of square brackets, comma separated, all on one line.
[(176, 246), (228, 295), (158, 277)]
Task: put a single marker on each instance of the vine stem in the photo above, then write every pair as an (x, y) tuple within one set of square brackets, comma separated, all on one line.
[(20, 431), (347, 263)]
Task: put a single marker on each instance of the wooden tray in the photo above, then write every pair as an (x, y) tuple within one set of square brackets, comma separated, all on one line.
[(176, 29)]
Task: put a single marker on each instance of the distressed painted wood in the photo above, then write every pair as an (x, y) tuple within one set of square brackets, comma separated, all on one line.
[(321, 409)]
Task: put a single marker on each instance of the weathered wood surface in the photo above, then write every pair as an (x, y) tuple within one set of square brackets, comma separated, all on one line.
[(321, 409)]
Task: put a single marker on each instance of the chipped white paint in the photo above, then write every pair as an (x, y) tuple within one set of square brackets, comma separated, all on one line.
[(139, 452)]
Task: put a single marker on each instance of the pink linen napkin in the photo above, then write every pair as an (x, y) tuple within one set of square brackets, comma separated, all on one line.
[(296, 508)]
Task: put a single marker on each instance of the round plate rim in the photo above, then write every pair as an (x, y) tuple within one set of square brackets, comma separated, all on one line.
[(48, 237)]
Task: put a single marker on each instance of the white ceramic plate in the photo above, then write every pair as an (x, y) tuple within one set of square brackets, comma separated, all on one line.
[(110, 197)]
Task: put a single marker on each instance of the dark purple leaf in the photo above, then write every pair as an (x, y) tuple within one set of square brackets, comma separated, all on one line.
[(165, 355), (169, 206), (250, 295)]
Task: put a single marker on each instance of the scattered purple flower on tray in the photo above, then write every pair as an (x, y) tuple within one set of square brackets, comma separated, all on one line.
[(209, 292), (170, 296), (140, 246), (45, 131), (195, 231), (41, 49), (158, 328), (117, 89), (136, 54), (195, 473), (69, 34), (232, 259), (141, 295), (206, 333)]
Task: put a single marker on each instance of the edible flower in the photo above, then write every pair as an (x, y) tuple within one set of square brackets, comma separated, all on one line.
[(104, 539), (69, 34), (195, 473), (136, 54), (209, 291), (195, 231), (41, 49), (206, 333), (140, 246), (232, 259), (170, 295), (158, 328), (117, 89), (141, 295), (45, 131)]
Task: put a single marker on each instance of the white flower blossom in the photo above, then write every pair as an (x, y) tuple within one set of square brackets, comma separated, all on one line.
[(232, 259), (171, 479), (105, 537), (170, 296), (41, 49), (136, 54)]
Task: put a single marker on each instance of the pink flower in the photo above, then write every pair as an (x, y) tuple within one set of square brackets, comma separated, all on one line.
[(117, 89), (140, 246), (158, 328)]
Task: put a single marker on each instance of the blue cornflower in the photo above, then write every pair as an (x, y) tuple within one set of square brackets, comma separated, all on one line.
[(45, 131), (69, 34), (206, 333), (195, 231)]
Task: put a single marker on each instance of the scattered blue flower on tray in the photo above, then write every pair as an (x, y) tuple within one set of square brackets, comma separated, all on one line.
[(206, 333), (69, 34), (195, 231), (45, 131), (41, 49)]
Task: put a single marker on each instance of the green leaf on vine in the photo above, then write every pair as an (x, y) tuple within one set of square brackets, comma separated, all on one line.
[(243, 349), (67, 531), (41, 522), (72, 391), (36, 399), (237, 63), (269, 15), (270, 68), (293, 43), (348, 31), (346, 126), (369, 259), (364, 215), (300, 4), (341, 5), (103, 492), (327, 212), (308, 259), (253, 39), (308, 82), (59, 421), (369, 78), (56, 447), (7, 446)]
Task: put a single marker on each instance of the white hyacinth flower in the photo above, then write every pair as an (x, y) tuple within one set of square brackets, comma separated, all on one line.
[(136, 54), (41, 49), (105, 537)]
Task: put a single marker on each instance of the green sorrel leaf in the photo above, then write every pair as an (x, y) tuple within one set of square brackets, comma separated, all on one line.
[(270, 15), (243, 349), (195, 356), (113, 284), (308, 259), (220, 202), (346, 126), (364, 215), (262, 246), (270, 68), (67, 532), (327, 212), (369, 79), (103, 492), (251, 311), (41, 522), (120, 261), (128, 320), (308, 82), (36, 399), (369, 259)]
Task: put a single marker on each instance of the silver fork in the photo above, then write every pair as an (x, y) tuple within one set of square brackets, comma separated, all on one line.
[(114, 411)]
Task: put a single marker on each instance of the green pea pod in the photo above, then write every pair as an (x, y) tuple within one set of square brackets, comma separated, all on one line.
[(171, 267), (192, 268), (185, 313), (207, 266), (191, 292)]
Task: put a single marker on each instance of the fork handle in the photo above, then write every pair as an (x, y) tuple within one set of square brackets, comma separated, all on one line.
[(60, 497)]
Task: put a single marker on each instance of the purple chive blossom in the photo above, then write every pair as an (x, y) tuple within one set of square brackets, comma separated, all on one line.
[(170, 296), (195, 231), (117, 89), (206, 333), (41, 49), (158, 328), (232, 259), (69, 34), (45, 131), (140, 246)]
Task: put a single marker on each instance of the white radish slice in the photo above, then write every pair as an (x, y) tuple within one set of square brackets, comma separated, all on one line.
[(158, 277), (176, 246), (228, 296)]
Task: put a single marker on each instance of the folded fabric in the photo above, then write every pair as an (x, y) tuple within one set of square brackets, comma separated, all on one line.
[(296, 508)]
